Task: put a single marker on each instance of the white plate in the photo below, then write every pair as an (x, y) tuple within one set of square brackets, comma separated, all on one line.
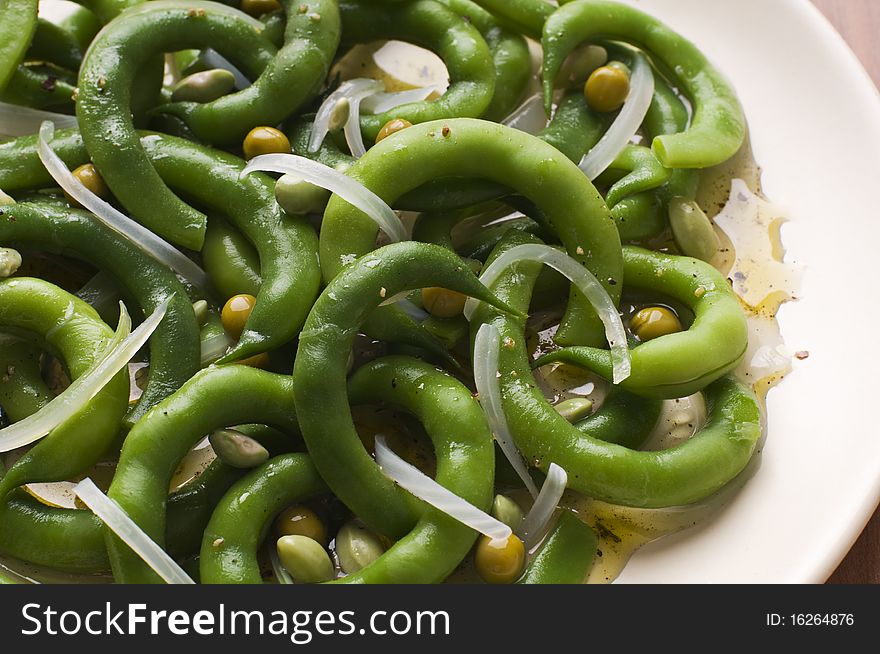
[(815, 122)]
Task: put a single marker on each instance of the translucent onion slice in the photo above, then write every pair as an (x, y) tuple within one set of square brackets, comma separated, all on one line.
[(76, 396), (426, 489), (579, 276), (130, 533), (345, 187), (535, 523), (213, 59), (21, 121), (627, 122), (486, 349), (379, 103), (354, 91), (352, 128), (529, 117), (139, 235)]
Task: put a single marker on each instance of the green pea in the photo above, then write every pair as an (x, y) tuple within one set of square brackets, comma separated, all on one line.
[(205, 86), (507, 511), (305, 559), (237, 450), (692, 229), (574, 409), (339, 114), (200, 308), (5, 199), (10, 262), (579, 64), (357, 547), (297, 196)]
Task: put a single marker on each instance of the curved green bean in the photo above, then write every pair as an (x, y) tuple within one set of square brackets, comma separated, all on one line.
[(475, 148), (74, 330), (174, 346), (320, 369), (683, 474), (292, 78), (431, 25), (681, 363), (717, 129), (103, 107)]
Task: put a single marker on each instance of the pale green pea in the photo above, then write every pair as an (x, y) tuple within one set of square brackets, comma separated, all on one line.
[(579, 64), (339, 114), (297, 196), (236, 449), (507, 511), (357, 547), (5, 199), (692, 229), (200, 308), (10, 262), (305, 559), (574, 409), (205, 86)]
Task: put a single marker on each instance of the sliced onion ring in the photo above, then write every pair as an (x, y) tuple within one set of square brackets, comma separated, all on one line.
[(130, 533), (352, 90), (345, 187), (627, 122), (535, 523), (21, 121), (426, 489), (139, 235), (486, 350), (583, 279), (122, 348)]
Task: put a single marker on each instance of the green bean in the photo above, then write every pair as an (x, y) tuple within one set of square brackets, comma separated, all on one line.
[(437, 542), (684, 474), (71, 328), (566, 555), (40, 87), (286, 244), (243, 516), (174, 353), (685, 362), (639, 216), (465, 453), (717, 129), (320, 369), (231, 262), (73, 539), (107, 10), (292, 78), (466, 147), (107, 76), (525, 16), (22, 389), (431, 25), (642, 172), (624, 418), (63, 37), (18, 22), (510, 53), (212, 399)]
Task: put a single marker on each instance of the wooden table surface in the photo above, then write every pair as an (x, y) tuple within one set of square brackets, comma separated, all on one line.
[(859, 23)]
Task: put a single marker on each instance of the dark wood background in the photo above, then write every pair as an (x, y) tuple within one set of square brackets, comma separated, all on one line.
[(859, 23)]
